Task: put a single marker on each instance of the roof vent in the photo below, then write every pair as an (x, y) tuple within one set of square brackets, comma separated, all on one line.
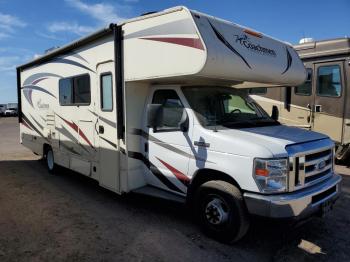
[(306, 40)]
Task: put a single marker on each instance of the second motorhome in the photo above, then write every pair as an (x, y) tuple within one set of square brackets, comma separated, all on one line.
[(158, 105), (321, 103)]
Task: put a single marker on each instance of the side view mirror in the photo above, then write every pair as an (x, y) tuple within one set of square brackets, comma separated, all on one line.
[(184, 122), (275, 113), (154, 116)]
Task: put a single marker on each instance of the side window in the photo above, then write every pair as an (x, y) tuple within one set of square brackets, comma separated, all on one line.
[(305, 89), (328, 81), (258, 91), (82, 94), (65, 91), (172, 107), (106, 92), (74, 90)]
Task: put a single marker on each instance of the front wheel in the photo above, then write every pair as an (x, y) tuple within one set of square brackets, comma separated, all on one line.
[(221, 211), (50, 160)]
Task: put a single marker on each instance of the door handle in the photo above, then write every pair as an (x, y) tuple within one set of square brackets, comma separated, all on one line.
[(101, 129)]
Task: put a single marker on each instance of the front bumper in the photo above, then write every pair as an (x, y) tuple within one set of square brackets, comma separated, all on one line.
[(301, 203)]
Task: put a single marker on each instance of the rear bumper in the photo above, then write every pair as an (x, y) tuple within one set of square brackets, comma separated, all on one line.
[(301, 204)]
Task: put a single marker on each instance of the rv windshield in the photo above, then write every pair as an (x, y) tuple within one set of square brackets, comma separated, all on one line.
[(225, 106)]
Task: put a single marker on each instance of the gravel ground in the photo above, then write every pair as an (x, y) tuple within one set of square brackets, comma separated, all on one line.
[(68, 217)]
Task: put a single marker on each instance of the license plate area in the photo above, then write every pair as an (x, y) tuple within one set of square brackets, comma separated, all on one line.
[(319, 197)]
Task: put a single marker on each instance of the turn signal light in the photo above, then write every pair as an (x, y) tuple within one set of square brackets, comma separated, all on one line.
[(261, 172)]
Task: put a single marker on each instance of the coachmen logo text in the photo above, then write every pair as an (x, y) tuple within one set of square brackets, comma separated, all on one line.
[(245, 41)]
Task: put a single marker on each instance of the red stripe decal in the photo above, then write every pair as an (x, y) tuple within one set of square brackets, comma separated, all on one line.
[(72, 125), (180, 176), (85, 138), (190, 42), (76, 129), (25, 124)]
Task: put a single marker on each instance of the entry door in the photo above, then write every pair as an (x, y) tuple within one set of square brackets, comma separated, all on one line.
[(328, 110), (106, 128), (168, 149)]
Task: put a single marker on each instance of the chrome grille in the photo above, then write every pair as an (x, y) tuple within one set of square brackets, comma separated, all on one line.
[(317, 165), (310, 163)]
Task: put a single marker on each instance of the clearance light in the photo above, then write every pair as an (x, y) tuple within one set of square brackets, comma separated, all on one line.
[(253, 33)]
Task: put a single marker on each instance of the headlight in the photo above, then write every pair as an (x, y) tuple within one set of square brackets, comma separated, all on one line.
[(271, 175)]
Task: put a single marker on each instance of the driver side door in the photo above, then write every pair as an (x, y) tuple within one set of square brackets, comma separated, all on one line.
[(168, 148)]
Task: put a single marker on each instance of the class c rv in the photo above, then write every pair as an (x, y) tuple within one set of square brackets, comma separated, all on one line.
[(159, 105), (321, 103)]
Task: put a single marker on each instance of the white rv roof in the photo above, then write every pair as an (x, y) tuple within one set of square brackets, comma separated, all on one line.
[(94, 35), (179, 43)]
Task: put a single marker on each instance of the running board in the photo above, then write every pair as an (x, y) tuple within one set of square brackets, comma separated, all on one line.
[(159, 193)]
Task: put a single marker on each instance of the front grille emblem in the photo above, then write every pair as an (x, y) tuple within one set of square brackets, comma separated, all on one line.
[(320, 165)]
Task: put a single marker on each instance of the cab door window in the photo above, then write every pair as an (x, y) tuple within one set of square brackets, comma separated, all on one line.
[(328, 81), (173, 108)]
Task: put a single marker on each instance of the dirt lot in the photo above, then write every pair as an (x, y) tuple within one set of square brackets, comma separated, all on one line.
[(67, 217)]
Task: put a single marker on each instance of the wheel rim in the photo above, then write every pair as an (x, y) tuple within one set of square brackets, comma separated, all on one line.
[(49, 158), (216, 211)]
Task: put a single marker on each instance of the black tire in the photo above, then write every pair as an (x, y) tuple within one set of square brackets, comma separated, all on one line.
[(221, 211), (50, 160)]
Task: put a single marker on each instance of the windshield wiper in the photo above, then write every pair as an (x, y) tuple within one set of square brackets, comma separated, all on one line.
[(264, 118), (238, 123), (262, 121)]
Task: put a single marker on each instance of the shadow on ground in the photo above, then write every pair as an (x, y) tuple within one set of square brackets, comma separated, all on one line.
[(68, 216)]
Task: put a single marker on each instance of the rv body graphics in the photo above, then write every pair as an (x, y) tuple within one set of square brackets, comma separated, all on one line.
[(88, 106)]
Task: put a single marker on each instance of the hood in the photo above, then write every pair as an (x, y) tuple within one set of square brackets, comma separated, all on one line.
[(284, 135), (269, 141)]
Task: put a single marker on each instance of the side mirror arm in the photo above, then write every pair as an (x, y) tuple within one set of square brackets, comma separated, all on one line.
[(275, 113)]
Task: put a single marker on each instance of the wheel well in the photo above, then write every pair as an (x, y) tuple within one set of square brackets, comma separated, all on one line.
[(205, 175), (45, 148)]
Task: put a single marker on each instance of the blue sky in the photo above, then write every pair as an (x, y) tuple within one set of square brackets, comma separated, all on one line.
[(27, 28)]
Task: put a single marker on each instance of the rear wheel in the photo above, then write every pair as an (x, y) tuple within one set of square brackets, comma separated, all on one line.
[(221, 211), (50, 160)]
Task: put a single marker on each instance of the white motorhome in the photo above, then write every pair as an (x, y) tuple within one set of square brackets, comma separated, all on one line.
[(158, 105)]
